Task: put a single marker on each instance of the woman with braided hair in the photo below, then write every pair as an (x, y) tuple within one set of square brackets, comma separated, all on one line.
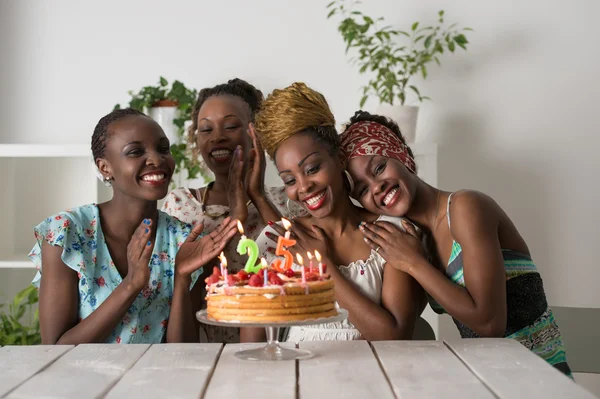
[(221, 135), (122, 271), (297, 129), (481, 272)]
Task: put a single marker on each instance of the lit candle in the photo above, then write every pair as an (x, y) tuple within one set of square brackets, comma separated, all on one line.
[(265, 266), (225, 276), (301, 263), (286, 224), (223, 262), (318, 257), (310, 265), (248, 246), (283, 243)]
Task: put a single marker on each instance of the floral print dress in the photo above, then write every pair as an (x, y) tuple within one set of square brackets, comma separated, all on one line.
[(183, 205), (79, 233)]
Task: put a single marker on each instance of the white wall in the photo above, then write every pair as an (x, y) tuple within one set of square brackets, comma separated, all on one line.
[(515, 116)]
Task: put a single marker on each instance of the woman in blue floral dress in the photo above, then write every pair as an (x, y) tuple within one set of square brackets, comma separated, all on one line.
[(123, 271)]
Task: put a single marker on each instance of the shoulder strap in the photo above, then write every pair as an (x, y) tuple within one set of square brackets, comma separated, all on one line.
[(448, 211)]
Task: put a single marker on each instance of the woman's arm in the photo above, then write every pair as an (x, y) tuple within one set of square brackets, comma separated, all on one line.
[(59, 304), (191, 256), (481, 306)]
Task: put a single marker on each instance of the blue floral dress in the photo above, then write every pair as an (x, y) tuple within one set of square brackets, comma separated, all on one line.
[(79, 233)]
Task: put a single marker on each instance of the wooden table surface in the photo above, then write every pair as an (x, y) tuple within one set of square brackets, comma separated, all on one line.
[(482, 368)]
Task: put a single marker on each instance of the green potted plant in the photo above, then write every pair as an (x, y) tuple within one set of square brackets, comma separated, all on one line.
[(393, 65), (172, 108), (12, 329)]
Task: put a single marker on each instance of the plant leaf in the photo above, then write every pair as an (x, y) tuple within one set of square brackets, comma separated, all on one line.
[(424, 71), (461, 39), (330, 4), (428, 41), (415, 26), (163, 81), (413, 88), (451, 46), (331, 13), (363, 100)]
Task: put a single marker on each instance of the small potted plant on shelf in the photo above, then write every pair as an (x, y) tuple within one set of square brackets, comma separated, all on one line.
[(172, 108), (12, 329), (393, 65)]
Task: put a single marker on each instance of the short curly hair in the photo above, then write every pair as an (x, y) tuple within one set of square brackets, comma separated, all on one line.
[(100, 136), (295, 109), (234, 87)]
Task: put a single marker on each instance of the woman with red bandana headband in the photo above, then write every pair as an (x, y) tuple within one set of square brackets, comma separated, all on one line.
[(481, 272)]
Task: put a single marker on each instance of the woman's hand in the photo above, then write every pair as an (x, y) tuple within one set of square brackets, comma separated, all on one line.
[(139, 251), (236, 189), (255, 176), (307, 239), (400, 249), (195, 254)]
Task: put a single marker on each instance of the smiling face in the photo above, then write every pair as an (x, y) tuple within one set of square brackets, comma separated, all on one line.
[(222, 125), (311, 174), (138, 157), (382, 185)]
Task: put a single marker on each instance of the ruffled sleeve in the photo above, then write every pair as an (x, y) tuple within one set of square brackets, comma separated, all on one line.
[(63, 230)]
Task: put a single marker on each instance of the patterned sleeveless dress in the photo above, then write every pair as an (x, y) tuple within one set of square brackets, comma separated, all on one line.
[(529, 318)]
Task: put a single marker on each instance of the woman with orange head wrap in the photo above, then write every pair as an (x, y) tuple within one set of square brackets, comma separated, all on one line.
[(297, 129)]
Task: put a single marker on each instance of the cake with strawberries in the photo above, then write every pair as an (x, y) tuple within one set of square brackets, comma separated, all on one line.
[(282, 296)]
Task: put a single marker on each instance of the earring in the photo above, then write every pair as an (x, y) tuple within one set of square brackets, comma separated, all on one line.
[(349, 180), (107, 181), (291, 212)]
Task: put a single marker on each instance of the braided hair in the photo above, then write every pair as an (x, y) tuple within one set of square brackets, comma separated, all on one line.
[(296, 109), (234, 87), (100, 135), (364, 116)]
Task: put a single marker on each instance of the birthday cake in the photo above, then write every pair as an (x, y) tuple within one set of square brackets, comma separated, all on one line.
[(280, 296)]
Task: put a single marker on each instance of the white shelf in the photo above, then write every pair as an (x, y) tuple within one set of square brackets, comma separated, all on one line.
[(45, 151), (17, 262)]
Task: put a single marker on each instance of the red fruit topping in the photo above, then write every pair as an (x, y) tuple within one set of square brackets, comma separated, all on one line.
[(212, 279), (216, 271), (324, 268), (243, 275), (232, 279), (312, 277), (261, 273), (290, 273), (255, 281), (275, 280)]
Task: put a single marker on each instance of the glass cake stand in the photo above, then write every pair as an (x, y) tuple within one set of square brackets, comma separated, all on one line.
[(272, 350)]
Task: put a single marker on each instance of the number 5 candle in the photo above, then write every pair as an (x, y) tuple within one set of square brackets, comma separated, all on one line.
[(248, 246), (283, 243)]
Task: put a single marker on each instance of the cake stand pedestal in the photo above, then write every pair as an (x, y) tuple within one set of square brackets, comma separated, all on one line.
[(272, 350)]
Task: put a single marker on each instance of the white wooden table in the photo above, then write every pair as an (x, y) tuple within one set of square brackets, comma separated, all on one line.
[(483, 368)]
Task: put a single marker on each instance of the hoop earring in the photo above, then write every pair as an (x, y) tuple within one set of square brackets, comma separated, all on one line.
[(349, 180), (291, 212)]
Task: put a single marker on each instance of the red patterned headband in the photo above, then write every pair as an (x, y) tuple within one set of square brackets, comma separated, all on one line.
[(372, 138)]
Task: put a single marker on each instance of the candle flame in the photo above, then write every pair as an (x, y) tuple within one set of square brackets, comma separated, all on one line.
[(300, 260), (264, 263), (317, 255), (240, 227), (223, 259), (309, 255), (286, 223)]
